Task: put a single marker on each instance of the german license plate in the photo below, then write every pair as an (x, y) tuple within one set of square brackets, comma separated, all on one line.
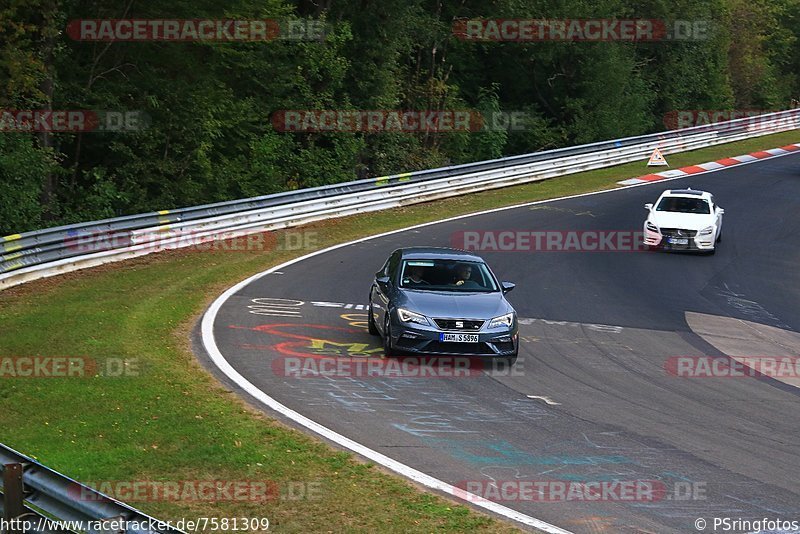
[(678, 241), (459, 338)]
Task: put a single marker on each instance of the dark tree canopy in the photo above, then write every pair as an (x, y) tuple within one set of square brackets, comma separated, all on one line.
[(208, 105)]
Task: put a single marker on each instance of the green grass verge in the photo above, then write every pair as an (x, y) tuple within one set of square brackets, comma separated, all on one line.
[(174, 422)]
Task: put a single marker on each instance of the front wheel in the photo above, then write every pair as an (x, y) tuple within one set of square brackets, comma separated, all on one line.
[(388, 350), (371, 320)]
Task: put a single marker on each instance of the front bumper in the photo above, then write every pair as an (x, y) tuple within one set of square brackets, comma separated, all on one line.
[(421, 339), (698, 242)]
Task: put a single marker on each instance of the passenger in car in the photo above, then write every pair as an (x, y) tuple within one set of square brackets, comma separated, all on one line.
[(415, 276)]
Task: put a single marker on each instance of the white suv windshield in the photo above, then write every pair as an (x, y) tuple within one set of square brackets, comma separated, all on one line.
[(684, 205)]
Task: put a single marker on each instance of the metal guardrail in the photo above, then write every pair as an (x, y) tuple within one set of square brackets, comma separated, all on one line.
[(48, 501), (31, 255)]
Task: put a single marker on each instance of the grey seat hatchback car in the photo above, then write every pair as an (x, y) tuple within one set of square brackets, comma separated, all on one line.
[(442, 301)]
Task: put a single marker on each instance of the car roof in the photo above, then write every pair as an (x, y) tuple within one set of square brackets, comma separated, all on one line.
[(686, 193), (437, 253)]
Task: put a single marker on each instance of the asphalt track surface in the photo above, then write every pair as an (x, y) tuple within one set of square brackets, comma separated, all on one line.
[(601, 328)]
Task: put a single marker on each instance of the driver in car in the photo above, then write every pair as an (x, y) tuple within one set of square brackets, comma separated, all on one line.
[(464, 276)]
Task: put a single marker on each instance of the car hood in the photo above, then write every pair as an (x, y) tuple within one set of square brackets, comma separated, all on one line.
[(688, 221), (452, 305)]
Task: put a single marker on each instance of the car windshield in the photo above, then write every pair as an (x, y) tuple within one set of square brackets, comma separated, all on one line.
[(447, 275), (683, 205)]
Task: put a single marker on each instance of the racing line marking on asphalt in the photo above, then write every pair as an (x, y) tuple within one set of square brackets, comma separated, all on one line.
[(260, 306), (547, 400), (339, 305), (275, 307), (216, 356)]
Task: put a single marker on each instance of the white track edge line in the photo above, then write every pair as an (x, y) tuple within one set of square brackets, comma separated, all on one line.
[(210, 344)]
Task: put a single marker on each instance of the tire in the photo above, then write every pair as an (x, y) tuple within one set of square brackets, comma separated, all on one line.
[(373, 330), (388, 350)]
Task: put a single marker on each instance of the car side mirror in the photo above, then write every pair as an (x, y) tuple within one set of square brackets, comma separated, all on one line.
[(383, 281), (648, 207), (508, 286), (721, 211)]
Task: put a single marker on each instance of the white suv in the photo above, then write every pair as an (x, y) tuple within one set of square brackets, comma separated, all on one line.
[(684, 219)]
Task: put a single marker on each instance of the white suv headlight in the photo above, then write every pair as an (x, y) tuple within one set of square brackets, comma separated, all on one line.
[(411, 317), (504, 320), (707, 231)]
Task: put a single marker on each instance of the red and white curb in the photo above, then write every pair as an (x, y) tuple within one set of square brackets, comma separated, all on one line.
[(712, 165)]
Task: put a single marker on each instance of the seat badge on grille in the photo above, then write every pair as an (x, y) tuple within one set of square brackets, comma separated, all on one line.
[(459, 324)]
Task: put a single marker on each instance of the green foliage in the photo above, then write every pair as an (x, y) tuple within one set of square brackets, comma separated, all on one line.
[(210, 138), (21, 168)]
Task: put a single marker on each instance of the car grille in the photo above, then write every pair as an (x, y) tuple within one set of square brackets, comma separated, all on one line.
[(466, 324), (678, 232)]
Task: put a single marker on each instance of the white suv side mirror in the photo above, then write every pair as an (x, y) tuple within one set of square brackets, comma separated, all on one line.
[(648, 207)]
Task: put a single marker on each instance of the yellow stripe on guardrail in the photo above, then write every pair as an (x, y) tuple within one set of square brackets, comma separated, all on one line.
[(12, 256), (12, 237), (15, 265), (384, 180)]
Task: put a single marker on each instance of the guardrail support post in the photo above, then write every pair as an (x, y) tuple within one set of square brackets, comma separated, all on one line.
[(12, 497)]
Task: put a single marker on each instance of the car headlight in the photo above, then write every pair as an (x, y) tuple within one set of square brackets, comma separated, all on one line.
[(411, 317), (652, 227), (707, 231), (504, 320)]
